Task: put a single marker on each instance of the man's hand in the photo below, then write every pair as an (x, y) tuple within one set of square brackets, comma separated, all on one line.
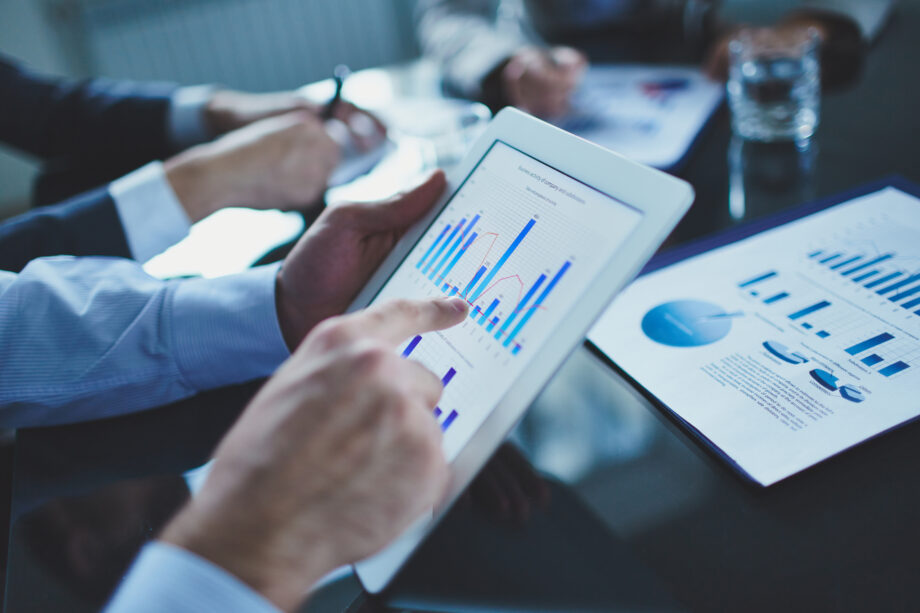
[(340, 251), (281, 162), (230, 110), (541, 81), (333, 459), (718, 59)]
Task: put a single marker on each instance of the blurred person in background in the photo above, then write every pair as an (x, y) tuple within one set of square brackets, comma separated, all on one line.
[(88, 132), (271, 151), (532, 53)]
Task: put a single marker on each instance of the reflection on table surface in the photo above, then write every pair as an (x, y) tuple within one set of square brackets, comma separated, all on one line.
[(636, 503)]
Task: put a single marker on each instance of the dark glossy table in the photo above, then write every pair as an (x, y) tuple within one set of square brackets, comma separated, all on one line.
[(641, 517)]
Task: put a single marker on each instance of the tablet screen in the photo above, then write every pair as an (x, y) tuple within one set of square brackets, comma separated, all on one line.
[(520, 242)]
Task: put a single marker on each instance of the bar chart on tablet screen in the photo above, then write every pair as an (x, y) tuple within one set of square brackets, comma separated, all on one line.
[(519, 242)]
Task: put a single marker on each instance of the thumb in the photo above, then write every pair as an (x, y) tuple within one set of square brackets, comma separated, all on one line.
[(402, 210)]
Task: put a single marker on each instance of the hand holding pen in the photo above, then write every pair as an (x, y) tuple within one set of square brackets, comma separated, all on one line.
[(359, 128)]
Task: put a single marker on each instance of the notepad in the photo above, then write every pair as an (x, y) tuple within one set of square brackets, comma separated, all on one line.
[(651, 114)]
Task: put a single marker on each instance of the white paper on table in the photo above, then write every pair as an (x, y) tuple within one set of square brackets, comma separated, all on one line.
[(771, 415), (355, 163), (651, 114)]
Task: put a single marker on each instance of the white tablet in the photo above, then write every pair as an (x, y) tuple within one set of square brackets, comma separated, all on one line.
[(537, 230)]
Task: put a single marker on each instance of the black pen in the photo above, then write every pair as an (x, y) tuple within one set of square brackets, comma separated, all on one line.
[(340, 73)]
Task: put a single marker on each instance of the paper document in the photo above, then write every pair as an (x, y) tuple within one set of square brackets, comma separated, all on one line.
[(787, 347), (355, 163), (651, 114)]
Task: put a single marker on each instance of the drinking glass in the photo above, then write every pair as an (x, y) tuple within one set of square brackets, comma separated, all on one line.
[(774, 84)]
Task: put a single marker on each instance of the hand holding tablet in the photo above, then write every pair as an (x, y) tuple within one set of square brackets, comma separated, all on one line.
[(537, 232)]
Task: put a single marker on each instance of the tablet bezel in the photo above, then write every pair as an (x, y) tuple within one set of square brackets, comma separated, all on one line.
[(660, 198)]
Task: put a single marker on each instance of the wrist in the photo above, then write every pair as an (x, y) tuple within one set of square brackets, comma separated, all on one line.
[(290, 318), (190, 177), (219, 112), (280, 571)]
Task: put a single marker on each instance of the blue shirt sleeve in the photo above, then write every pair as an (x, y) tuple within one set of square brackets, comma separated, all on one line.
[(86, 338), (169, 578)]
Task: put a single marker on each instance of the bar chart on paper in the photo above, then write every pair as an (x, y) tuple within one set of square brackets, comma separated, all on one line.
[(518, 242), (890, 275), (823, 350), (806, 305)]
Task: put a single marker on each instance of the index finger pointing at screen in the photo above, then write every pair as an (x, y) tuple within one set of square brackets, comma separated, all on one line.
[(397, 320)]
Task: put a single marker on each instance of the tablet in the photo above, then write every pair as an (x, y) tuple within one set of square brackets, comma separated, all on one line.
[(537, 231)]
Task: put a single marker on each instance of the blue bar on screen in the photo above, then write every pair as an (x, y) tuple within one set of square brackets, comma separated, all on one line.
[(433, 245), (516, 350), (911, 304), (872, 360), (448, 376), (488, 312), (466, 290), (517, 311), (830, 257), (536, 304), (412, 345), (447, 422), (447, 255), (453, 292), (450, 239), (501, 262), (459, 255), (437, 411)]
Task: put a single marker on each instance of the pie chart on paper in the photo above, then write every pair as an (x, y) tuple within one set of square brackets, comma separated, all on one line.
[(687, 323)]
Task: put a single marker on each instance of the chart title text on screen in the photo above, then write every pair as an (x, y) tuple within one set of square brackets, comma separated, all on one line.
[(550, 184)]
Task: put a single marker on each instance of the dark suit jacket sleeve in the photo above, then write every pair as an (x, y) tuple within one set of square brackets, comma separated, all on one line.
[(85, 225), (83, 119)]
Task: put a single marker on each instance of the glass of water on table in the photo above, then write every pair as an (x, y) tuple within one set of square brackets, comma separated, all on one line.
[(774, 84)]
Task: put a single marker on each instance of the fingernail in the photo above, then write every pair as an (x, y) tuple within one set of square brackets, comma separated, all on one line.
[(458, 304)]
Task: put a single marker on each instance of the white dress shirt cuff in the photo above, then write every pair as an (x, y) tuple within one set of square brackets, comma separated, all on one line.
[(150, 211), (168, 578), (187, 125), (225, 330)]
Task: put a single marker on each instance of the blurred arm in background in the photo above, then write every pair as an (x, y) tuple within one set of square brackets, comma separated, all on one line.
[(88, 132), (506, 52), (278, 162)]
